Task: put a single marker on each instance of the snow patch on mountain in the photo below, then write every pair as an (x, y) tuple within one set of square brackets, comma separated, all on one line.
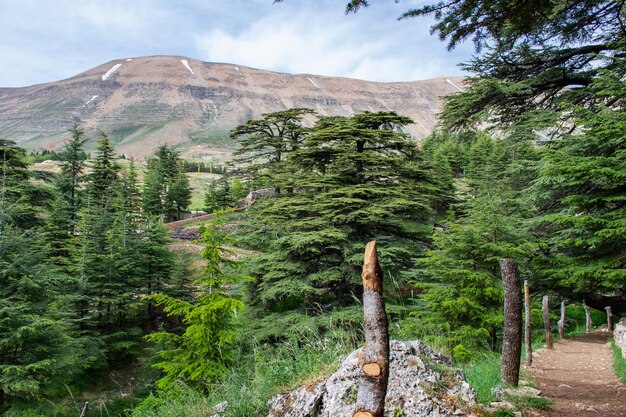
[(90, 100), (110, 72), (186, 64), (314, 83)]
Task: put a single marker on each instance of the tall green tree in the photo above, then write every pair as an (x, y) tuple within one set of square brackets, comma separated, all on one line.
[(266, 142), (355, 179), (204, 349), (464, 297), (581, 195), (166, 190), (37, 343)]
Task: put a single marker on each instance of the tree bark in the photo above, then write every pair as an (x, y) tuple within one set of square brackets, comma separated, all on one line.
[(546, 323), (370, 400), (512, 343), (609, 318), (527, 326), (588, 322), (562, 321)]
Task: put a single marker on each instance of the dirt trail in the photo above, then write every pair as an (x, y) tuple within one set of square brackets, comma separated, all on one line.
[(578, 375)]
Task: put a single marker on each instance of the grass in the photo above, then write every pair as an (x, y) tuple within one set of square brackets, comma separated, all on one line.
[(484, 374), (529, 402), (249, 386), (619, 363)]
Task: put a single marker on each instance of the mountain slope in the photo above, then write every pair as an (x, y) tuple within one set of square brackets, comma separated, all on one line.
[(144, 102)]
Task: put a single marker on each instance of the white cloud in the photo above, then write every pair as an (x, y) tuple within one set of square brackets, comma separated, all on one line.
[(329, 43), (48, 41)]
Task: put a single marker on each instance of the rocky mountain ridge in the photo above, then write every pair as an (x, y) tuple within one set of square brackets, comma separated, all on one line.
[(144, 102)]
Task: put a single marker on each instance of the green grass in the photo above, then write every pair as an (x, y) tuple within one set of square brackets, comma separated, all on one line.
[(249, 386), (529, 402), (619, 363), (484, 374), (198, 183)]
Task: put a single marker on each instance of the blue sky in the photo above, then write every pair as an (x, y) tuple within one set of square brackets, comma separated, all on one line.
[(43, 40)]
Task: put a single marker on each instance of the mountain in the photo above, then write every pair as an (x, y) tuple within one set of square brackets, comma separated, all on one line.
[(143, 102)]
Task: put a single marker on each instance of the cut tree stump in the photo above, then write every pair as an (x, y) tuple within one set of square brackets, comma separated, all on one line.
[(370, 401), (588, 322), (546, 322), (527, 326), (512, 338)]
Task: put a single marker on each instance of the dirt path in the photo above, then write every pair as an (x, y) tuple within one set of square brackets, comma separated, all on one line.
[(578, 375)]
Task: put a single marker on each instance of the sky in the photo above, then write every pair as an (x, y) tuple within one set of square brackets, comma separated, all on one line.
[(43, 41)]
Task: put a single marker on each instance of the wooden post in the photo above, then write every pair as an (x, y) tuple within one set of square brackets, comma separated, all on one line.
[(512, 343), (370, 401), (85, 408), (588, 322), (609, 318), (527, 326), (546, 322), (561, 322)]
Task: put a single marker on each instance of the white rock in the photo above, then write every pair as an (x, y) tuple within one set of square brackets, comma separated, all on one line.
[(414, 368)]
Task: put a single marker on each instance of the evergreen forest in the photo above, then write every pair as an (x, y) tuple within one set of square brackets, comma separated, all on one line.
[(98, 302)]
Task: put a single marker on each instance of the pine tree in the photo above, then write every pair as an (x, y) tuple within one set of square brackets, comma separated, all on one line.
[(354, 180), (37, 347), (63, 217), (464, 297), (203, 351), (581, 197), (267, 141), (166, 190)]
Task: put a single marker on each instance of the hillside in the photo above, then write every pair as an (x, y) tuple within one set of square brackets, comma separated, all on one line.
[(147, 101)]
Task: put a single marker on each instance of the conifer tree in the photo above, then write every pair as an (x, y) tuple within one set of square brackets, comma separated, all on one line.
[(581, 197), (354, 180), (204, 349), (166, 190), (464, 297), (37, 347)]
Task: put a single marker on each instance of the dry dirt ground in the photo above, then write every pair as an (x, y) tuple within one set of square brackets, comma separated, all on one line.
[(578, 375)]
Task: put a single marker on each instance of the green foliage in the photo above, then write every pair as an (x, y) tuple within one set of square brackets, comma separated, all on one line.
[(166, 190), (581, 189), (223, 194), (37, 344), (202, 352), (529, 402), (248, 386), (483, 375), (351, 180), (266, 142), (465, 294)]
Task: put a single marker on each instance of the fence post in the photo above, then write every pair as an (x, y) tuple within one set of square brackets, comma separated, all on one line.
[(512, 339), (609, 318), (588, 322), (527, 325), (546, 322), (562, 321)]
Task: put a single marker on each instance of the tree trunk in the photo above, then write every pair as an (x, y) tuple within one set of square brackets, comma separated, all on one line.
[(546, 323), (588, 322), (609, 318), (527, 326), (512, 343), (562, 321), (370, 400)]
